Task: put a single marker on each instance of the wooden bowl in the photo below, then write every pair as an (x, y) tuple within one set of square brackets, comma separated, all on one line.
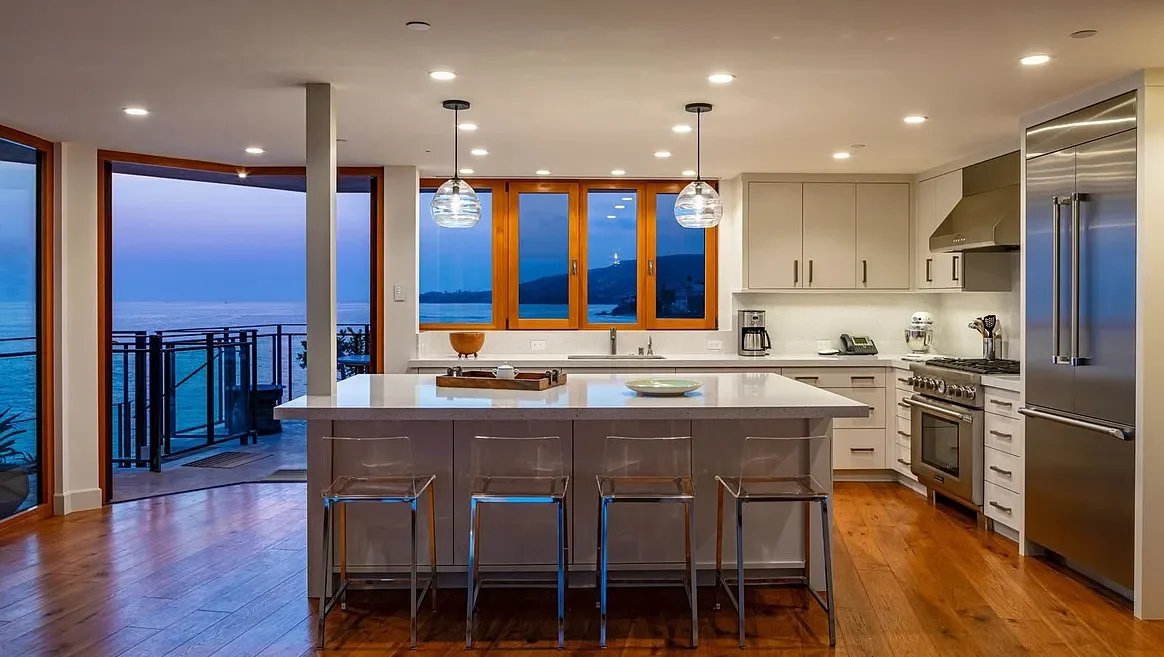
[(467, 343)]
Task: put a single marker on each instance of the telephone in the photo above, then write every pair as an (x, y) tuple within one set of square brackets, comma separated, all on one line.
[(857, 345)]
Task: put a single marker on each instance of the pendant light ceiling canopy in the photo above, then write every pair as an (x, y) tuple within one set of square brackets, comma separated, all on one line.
[(455, 204), (698, 205)]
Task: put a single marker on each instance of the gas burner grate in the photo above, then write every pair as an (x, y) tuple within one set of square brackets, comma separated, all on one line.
[(977, 365)]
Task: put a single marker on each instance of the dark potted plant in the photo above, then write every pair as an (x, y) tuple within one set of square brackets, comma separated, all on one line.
[(15, 465)]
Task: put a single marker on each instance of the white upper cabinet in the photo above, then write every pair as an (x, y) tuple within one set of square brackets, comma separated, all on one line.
[(883, 236), (830, 235), (936, 197), (775, 234)]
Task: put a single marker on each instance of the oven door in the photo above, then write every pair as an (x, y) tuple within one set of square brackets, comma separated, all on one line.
[(947, 447)]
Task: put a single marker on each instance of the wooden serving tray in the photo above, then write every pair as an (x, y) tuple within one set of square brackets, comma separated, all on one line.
[(485, 379)]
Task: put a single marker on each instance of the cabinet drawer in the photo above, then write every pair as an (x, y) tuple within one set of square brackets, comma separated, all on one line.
[(838, 377), (1002, 402), (874, 398), (1003, 505), (899, 406), (901, 456), (1003, 469), (902, 433), (1004, 433), (901, 379), (858, 449)]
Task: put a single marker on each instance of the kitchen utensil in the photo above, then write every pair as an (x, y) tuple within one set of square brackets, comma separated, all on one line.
[(467, 343), (663, 387), (977, 325), (506, 371), (989, 322)]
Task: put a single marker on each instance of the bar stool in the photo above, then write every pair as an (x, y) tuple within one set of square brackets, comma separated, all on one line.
[(763, 478), (384, 475), (516, 471), (647, 470)]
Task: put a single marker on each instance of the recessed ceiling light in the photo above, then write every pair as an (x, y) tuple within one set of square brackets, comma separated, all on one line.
[(915, 118), (467, 126), (720, 78), (856, 147), (466, 172), (842, 155), (442, 75), (662, 154), (479, 151), (542, 172), (611, 216), (628, 198), (688, 172), (135, 111), (419, 26), (255, 150), (681, 128), (1035, 60), (620, 207), (1084, 34), (617, 172)]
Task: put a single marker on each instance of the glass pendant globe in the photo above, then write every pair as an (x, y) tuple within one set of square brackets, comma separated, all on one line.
[(456, 205), (698, 206)]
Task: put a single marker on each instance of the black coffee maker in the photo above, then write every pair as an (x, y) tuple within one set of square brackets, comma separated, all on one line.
[(754, 339)]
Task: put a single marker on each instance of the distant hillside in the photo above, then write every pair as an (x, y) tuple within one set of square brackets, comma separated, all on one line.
[(608, 285)]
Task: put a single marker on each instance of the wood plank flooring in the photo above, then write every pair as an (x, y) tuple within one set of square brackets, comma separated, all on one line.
[(222, 572)]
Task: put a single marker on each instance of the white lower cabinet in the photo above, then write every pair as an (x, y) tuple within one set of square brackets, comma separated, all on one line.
[(1003, 469), (1003, 505), (859, 449)]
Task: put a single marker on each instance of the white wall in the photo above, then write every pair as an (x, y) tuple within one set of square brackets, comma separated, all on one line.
[(401, 213)]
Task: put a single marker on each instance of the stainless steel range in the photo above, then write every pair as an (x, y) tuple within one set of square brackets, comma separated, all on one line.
[(946, 424)]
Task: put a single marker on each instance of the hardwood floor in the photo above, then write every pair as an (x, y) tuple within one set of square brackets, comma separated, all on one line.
[(222, 572)]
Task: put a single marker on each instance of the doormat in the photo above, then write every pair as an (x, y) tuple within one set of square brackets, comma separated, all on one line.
[(226, 460), (286, 475)]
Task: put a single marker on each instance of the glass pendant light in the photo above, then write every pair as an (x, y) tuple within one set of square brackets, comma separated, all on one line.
[(455, 204), (698, 205)]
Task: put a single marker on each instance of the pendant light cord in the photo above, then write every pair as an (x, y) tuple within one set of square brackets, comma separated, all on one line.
[(456, 144), (698, 145)]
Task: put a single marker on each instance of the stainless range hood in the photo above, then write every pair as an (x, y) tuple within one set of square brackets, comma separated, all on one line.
[(987, 217)]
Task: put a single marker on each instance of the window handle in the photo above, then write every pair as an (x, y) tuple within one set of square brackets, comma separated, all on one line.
[(650, 268), (573, 267)]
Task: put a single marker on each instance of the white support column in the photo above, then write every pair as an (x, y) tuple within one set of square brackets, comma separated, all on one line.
[(401, 266), (321, 190), (77, 337)]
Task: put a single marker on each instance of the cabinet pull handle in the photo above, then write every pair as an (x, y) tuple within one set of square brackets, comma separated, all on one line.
[(796, 272), (901, 380), (862, 377), (1000, 471), (929, 270), (810, 272), (954, 269), (904, 433), (1005, 509), (903, 462), (806, 378), (650, 268), (1001, 403), (1004, 436), (864, 271), (903, 404), (863, 449)]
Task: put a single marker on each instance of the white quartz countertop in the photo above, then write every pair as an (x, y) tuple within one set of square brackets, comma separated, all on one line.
[(668, 361), (731, 396), (1012, 382)]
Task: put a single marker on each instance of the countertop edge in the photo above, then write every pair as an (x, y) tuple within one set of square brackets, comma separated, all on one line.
[(641, 413), (675, 361)]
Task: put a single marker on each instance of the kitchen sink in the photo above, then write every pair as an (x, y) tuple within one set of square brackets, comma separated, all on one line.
[(615, 357)]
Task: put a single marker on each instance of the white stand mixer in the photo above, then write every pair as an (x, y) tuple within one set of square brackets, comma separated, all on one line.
[(919, 335)]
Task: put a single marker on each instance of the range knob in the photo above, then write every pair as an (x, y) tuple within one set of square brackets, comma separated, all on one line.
[(941, 387), (956, 390), (971, 392), (912, 380), (931, 384)]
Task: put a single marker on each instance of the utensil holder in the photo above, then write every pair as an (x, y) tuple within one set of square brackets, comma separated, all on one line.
[(990, 348)]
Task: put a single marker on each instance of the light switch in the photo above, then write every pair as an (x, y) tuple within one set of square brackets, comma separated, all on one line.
[(715, 345), (537, 345), (398, 292)]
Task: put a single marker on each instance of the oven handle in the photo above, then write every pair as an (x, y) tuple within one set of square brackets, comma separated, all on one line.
[(1115, 432), (938, 410)]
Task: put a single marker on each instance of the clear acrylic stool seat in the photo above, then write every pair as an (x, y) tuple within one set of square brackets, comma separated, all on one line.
[(384, 476), (516, 471), (646, 470), (763, 477)]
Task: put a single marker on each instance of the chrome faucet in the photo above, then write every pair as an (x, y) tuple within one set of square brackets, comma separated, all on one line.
[(650, 346), (613, 341)]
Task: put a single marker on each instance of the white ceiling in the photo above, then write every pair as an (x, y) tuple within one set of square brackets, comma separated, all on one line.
[(579, 88)]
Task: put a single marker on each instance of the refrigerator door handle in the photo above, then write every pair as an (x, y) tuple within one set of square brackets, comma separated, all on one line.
[(1056, 278), (1076, 200), (1120, 433)]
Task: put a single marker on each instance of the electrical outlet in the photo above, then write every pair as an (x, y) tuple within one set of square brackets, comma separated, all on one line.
[(398, 292), (537, 345), (715, 345)]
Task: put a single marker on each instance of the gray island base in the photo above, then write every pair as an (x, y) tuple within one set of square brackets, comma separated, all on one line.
[(520, 539)]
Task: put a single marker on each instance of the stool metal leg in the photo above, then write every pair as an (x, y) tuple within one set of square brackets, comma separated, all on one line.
[(598, 555), (412, 577), (603, 517), (325, 571), (689, 521), (826, 531), (718, 541), (740, 569), (471, 592), (432, 551), (342, 508), (561, 573)]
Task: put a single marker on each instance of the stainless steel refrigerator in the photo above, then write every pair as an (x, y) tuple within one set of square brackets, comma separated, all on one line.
[(1080, 364)]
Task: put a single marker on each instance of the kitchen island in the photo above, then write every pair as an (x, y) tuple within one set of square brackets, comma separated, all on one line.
[(442, 422)]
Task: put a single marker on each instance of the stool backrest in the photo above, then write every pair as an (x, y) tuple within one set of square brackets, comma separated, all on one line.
[(774, 456), (387, 456), (668, 456), (519, 458)]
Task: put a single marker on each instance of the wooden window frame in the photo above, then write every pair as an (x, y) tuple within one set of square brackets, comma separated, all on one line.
[(505, 255)]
